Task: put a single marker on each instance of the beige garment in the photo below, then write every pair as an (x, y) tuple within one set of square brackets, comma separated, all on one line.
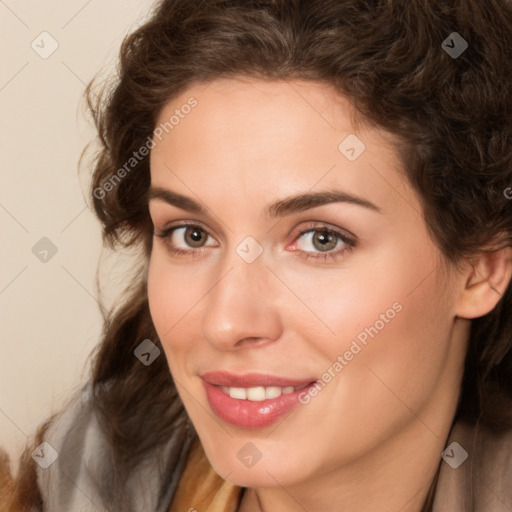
[(483, 482), (201, 489)]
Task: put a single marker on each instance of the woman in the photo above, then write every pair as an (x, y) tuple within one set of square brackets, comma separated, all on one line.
[(322, 316)]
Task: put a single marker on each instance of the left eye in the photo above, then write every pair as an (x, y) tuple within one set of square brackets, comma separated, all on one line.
[(322, 240)]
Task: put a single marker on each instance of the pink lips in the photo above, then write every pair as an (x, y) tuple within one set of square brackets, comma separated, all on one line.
[(247, 413)]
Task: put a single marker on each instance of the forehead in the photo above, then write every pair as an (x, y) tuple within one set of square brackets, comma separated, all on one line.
[(268, 138)]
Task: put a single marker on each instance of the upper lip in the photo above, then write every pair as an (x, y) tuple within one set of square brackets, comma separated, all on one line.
[(249, 380)]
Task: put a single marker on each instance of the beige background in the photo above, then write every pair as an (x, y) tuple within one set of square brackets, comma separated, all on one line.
[(50, 317)]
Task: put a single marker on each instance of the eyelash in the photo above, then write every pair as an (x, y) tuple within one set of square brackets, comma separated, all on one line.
[(332, 255)]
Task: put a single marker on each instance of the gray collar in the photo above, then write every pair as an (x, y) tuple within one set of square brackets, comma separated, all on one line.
[(72, 481)]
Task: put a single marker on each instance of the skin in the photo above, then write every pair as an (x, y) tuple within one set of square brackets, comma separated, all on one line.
[(372, 438)]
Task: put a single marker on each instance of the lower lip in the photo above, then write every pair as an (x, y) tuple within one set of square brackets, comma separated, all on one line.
[(249, 414)]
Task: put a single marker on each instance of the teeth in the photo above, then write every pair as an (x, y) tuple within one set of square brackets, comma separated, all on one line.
[(259, 393), (273, 392), (240, 393), (256, 394)]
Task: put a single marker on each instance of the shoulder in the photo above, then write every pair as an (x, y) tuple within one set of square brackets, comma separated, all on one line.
[(71, 438), (41, 474), (77, 464), (476, 471)]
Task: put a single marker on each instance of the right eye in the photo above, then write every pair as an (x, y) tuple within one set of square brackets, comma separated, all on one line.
[(184, 239)]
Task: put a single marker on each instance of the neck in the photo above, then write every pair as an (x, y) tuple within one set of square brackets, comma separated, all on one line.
[(400, 478)]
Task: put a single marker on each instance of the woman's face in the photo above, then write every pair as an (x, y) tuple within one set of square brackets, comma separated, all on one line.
[(306, 319)]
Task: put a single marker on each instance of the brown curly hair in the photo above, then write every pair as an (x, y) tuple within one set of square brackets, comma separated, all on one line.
[(452, 116)]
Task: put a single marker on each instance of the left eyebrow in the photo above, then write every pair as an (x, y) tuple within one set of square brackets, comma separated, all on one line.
[(280, 208), (309, 200)]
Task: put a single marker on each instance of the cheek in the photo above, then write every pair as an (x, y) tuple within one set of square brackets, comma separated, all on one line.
[(386, 316), (377, 295), (170, 294), (394, 328), (417, 342), (176, 295), (161, 297)]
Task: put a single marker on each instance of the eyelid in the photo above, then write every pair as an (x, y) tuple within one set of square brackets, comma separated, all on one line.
[(345, 235), (168, 228)]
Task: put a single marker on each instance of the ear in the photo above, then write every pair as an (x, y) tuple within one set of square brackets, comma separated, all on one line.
[(486, 280)]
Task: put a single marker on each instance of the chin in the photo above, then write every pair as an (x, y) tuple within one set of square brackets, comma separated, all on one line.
[(259, 477), (268, 471)]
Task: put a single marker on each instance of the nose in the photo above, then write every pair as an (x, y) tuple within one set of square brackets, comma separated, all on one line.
[(241, 309)]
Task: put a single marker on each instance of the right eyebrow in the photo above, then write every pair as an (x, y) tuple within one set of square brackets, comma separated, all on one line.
[(175, 199)]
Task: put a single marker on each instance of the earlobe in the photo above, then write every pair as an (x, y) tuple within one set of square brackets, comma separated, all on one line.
[(486, 281)]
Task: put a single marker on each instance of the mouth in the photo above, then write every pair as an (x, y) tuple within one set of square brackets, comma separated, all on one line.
[(252, 400)]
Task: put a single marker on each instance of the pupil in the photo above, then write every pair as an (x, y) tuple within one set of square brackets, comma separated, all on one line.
[(324, 238), (194, 235)]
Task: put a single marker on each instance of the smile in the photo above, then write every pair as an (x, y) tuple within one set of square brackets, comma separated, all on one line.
[(253, 400), (259, 393)]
